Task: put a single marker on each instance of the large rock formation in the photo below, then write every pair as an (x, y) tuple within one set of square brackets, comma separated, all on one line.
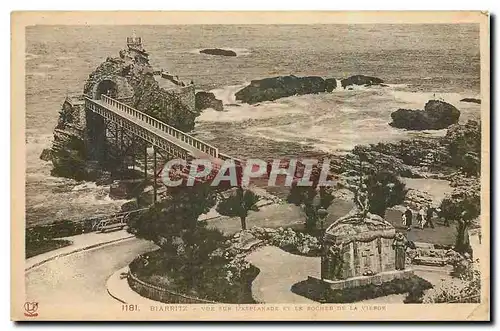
[(218, 51), (78, 145), (473, 100), (360, 80), (206, 100), (269, 89), (460, 149), (435, 116)]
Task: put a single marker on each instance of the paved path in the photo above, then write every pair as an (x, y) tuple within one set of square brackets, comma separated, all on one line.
[(79, 242), (119, 289), (279, 270), (82, 276)]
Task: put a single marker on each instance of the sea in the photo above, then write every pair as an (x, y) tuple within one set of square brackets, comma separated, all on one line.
[(417, 62)]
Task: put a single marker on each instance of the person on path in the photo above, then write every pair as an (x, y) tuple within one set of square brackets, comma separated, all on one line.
[(429, 215), (421, 218), (408, 217)]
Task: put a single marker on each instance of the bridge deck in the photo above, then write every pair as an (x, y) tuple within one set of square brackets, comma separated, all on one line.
[(193, 151)]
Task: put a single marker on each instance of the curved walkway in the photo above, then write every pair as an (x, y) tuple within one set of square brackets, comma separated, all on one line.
[(117, 286), (279, 270), (82, 275)]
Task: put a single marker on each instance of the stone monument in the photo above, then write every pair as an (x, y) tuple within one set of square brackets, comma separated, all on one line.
[(360, 248)]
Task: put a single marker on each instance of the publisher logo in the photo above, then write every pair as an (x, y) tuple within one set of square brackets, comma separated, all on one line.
[(31, 308)]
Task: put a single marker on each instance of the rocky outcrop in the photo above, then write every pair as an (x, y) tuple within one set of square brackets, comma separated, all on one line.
[(438, 158), (473, 100), (416, 199), (435, 116), (349, 164), (218, 51), (415, 152), (79, 149), (204, 100), (360, 80), (330, 84), (269, 89), (46, 154)]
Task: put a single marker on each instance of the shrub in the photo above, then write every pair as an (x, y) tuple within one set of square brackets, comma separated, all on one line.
[(322, 293), (448, 292), (289, 240)]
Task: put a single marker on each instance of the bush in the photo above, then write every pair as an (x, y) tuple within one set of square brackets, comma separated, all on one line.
[(470, 292), (317, 291), (207, 270), (289, 240)]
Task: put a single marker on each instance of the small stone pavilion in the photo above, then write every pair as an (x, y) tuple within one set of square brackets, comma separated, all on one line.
[(358, 250)]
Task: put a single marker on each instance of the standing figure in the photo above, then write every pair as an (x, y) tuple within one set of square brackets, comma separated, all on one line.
[(421, 217), (399, 245), (408, 218), (335, 262), (429, 215)]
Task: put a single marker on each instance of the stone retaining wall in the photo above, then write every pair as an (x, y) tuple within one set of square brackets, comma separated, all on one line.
[(160, 294)]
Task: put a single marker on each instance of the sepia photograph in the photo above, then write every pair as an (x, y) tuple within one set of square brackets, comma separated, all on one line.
[(273, 166)]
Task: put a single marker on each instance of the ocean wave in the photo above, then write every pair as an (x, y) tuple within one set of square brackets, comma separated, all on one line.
[(38, 74), (65, 57), (46, 65), (30, 56)]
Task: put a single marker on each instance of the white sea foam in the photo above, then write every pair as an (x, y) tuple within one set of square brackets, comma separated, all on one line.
[(65, 57), (31, 56), (328, 121), (46, 65)]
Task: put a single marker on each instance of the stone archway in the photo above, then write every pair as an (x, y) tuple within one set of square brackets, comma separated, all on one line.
[(106, 87)]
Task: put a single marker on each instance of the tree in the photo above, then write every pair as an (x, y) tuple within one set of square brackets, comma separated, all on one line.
[(175, 219), (464, 146), (312, 198), (464, 206), (238, 205), (384, 190)]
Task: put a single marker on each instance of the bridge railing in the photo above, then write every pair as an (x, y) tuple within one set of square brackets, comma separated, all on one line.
[(178, 134)]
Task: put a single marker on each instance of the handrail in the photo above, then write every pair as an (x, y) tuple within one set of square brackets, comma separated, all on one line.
[(170, 130), (142, 125)]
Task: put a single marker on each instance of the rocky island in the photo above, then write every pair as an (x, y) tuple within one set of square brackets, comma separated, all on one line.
[(218, 51), (473, 100), (436, 115), (270, 89)]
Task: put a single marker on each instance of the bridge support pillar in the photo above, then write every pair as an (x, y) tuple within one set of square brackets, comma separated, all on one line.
[(145, 161), (154, 175)]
